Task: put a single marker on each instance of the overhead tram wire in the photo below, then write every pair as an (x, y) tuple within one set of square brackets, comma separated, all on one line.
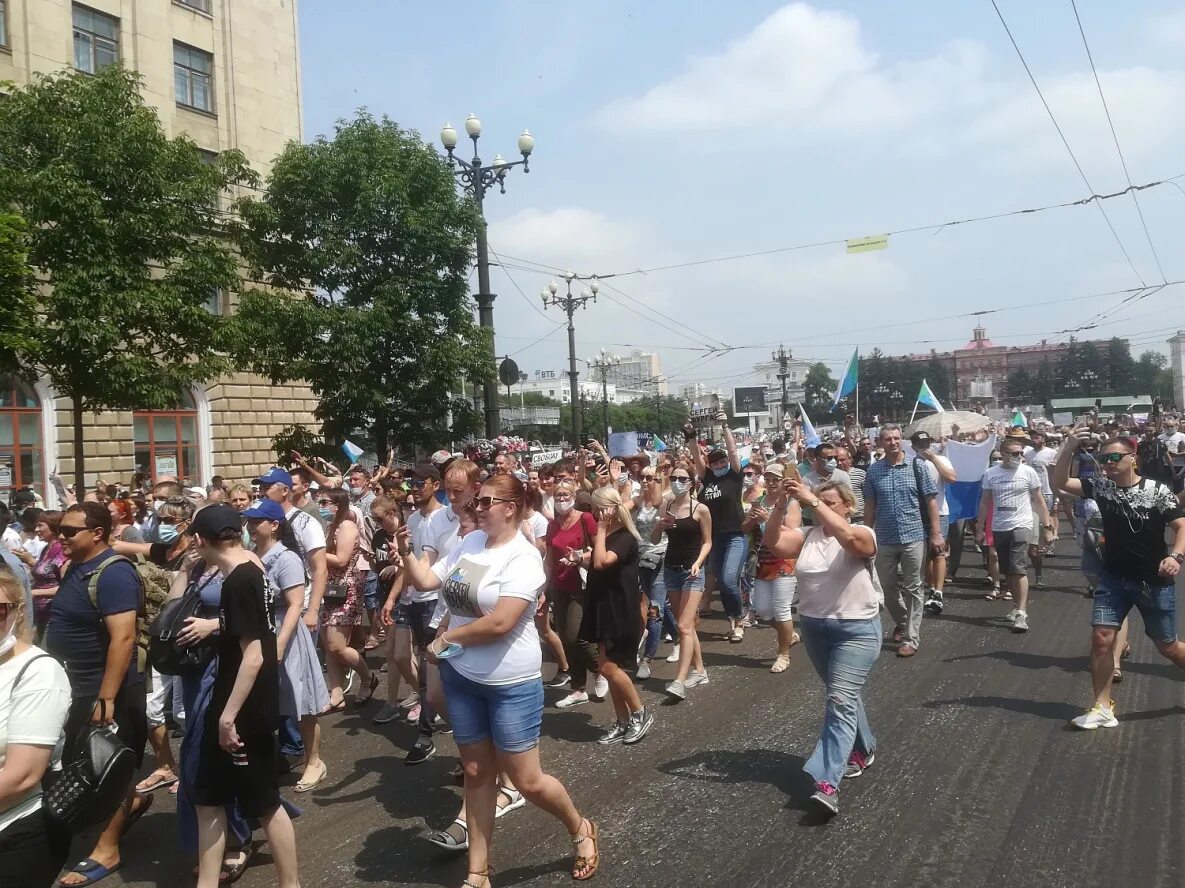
[(651, 308), (1115, 138), (510, 277), (1065, 141)]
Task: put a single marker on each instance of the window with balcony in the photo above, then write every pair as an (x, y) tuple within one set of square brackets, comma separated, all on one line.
[(96, 40), (193, 70)]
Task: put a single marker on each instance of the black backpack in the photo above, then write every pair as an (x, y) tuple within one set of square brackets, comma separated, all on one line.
[(164, 654)]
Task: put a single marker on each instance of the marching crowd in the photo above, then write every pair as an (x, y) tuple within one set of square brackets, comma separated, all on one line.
[(232, 617)]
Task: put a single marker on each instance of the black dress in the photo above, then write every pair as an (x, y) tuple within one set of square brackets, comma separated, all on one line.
[(613, 613)]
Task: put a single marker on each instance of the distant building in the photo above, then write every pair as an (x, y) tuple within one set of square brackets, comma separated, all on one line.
[(767, 374), (637, 376), (555, 384)]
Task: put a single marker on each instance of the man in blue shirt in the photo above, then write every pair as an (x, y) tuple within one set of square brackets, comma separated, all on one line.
[(900, 504), (96, 645)]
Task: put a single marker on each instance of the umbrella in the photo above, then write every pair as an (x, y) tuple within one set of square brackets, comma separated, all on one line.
[(939, 425)]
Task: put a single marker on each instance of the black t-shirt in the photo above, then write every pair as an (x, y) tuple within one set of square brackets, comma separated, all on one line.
[(722, 495), (1134, 523), (623, 574), (246, 612), (380, 546)]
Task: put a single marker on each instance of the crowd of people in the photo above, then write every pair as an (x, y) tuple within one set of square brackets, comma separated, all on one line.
[(304, 586)]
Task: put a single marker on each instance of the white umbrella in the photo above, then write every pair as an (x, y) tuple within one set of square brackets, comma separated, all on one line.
[(939, 425)]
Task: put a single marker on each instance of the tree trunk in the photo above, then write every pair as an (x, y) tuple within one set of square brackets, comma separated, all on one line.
[(79, 459)]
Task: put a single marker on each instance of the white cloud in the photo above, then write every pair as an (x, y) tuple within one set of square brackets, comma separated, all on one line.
[(806, 68), (1168, 29)]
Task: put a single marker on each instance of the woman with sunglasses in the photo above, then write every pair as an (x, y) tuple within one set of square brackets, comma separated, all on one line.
[(342, 612), (36, 698), (303, 695), (687, 525), (491, 672)]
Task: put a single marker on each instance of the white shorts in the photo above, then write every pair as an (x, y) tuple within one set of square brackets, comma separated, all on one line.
[(772, 599), (164, 686)]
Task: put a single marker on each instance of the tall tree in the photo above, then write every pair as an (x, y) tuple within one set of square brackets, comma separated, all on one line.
[(818, 389), (368, 236), (124, 234), (1118, 367), (1021, 387)]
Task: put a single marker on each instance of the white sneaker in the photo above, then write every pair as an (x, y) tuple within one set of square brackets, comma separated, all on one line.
[(1096, 717), (1011, 618), (643, 672), (642, 643), (695, 679), (576, 698), (600, 687), (673, 657)]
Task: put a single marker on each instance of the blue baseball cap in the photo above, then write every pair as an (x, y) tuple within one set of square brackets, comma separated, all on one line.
[(267, 509), (276, 475)]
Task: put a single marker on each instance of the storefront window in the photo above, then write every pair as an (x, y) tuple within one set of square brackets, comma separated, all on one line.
[(167, 441), (21, 455)]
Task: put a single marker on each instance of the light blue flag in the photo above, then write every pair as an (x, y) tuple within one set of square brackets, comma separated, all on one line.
[(1019, 421), (847, 384), (808, 430), (927, 398), (659, 444), (352, 451)]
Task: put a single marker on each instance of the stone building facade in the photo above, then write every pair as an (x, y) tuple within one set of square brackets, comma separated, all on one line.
[(227, 74)]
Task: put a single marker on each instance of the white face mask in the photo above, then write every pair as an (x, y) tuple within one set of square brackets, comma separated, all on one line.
[(8, 642), (679, 487), (563, 507)]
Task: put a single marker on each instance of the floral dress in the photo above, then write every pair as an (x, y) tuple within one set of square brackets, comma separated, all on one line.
[(46, 574), (349, 611)]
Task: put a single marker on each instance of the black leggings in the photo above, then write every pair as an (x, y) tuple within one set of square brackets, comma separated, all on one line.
[(568, 610), (32, 852)]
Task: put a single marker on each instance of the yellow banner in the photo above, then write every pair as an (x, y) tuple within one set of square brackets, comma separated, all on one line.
[(868, 244)]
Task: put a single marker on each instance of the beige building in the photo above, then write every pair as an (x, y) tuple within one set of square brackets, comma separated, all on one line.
[(227, 73)]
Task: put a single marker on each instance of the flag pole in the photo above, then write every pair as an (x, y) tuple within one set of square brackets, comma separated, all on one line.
[(857, 401), (915, 412)]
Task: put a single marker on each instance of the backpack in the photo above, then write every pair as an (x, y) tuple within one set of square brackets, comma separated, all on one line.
[(154, 589)]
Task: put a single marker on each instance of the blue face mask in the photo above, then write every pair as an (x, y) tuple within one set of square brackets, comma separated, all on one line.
[(720, 473), (167, 533), (326, 514)]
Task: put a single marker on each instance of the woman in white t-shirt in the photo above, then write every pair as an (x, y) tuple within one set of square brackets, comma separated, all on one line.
[(839, 615), (34, 699), (493, 684)]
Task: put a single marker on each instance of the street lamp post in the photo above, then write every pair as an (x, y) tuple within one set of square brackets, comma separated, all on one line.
[(604, 362), (569, 304), (783, 358), (476, 178)]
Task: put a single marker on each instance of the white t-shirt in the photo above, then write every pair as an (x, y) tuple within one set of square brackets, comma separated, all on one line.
[(31, 715), (448, 542), (1041, 461), (310, 536), (474, 578), (1173, 440), (1012, 490), (940, 482), (430, 533), (538, 525)]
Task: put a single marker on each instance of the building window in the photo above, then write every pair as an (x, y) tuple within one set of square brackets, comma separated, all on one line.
[(96, 40), (214, 305), (20, 437), (192, 70), (167, 440), (199, 5), (3, 22)]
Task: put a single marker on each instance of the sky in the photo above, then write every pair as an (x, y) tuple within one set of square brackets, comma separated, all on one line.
[(669, 133)]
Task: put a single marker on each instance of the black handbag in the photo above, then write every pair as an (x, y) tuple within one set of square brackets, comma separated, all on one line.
[(164, 653), (91, 788), (336, 593)]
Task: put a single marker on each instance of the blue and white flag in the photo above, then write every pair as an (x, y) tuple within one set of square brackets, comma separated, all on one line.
[(352, 451), (659, 444), (969, 461), (811, 437), (927, 398), (847, 383)]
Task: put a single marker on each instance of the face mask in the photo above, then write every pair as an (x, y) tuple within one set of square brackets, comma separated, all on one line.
[(831, 464), (749, 481), (623, 480), (357, 491), (563, 507), (678, 487), (8, 642), (167, 533), (720, 473), (326, 515)]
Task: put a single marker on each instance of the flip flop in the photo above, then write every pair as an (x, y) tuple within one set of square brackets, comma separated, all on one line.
[(92, 871), (158, 779), (146, 801), (336, 707)]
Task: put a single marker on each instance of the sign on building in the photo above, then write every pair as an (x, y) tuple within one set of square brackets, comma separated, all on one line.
[(749, 401)]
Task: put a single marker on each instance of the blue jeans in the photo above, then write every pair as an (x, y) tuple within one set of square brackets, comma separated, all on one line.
[(842, 652), (370, 593), (727, 560), (1156, 602), (658, 614), (509, 715)]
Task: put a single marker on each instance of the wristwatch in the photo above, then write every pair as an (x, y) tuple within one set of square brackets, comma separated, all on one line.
[(1178, 557), (815, 504)]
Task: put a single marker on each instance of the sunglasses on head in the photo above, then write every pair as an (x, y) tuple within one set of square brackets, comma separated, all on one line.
[(1112, 457), (70, 532)]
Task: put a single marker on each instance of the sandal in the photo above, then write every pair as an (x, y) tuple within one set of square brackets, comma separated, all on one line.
[(737, 635), (516, 801), (145, 804), (795, 639), (372, 644), (336, 707), (1117, 676), (307, 785), (1127, 651), (158, 779), (446, 840), (584, 868), (484, 874), (994, 594), (781, 664), (361, 700), (1007, 596)]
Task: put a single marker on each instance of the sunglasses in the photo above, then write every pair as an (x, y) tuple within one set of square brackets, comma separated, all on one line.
[(485, 502), (7, 608), (71, 532), (1112, 457), (680, 477), (416, 484), (325, 502)]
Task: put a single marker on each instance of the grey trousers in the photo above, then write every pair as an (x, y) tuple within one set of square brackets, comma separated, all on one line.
[(903, 594)]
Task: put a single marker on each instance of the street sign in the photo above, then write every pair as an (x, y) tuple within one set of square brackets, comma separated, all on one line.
[(749, 401), (508, 372)]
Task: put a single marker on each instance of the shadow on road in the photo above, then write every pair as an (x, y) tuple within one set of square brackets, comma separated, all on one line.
[(1056, 710)]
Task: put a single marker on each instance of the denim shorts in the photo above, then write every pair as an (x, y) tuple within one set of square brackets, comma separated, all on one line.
[(510, 715), (679, 579), (399, 613), (370, 593), (1156, 602)]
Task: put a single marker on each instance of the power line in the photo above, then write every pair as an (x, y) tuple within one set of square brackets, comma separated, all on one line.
[(691, 330), (529, 302), (1115, 137), (1065, 141), (546, 335)]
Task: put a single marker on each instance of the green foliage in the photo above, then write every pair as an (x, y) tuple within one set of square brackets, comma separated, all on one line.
[(819, 389), (369, 234), (17, 296), (124, 230), (306, 442)]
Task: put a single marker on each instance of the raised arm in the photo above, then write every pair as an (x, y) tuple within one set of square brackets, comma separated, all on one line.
[(730, 443), (1061, 469)]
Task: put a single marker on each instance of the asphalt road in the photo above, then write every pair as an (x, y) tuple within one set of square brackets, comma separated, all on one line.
[(978, 779)]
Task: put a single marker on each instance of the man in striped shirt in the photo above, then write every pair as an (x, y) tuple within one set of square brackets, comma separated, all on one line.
[(844, 456)]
